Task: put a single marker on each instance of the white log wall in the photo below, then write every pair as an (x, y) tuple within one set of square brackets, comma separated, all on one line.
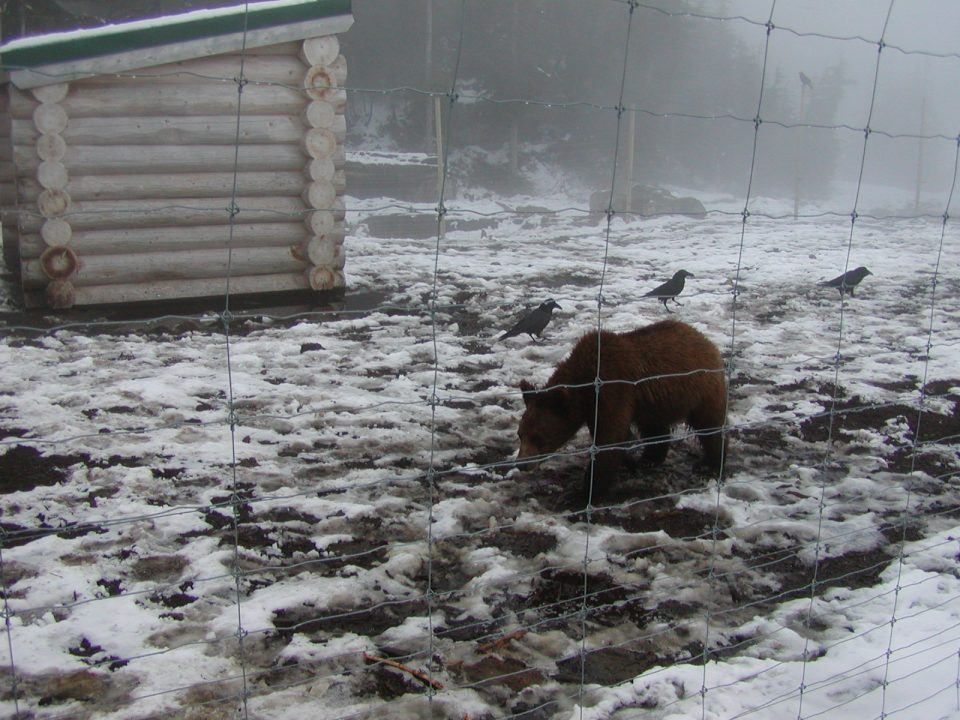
[(65, 294), (150, 185), (8, 187)]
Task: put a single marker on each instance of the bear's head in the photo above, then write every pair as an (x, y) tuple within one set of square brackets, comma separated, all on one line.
[(548, 422)]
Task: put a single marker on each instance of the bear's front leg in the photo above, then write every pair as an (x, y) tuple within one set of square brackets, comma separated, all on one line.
[(611, 435), (601, 473)]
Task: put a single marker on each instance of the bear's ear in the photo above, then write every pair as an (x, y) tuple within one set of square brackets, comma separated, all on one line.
[(528, 390)]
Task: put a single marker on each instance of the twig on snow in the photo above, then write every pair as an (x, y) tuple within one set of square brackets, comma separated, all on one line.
[(418, 674), (500, 642)]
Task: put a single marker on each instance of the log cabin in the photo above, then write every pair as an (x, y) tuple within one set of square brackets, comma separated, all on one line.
[(181, 157)]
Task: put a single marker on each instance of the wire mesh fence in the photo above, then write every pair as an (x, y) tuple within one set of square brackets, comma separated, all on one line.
[(266, 513)]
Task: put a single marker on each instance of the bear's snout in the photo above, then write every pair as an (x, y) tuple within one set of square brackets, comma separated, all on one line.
[(528, 450)]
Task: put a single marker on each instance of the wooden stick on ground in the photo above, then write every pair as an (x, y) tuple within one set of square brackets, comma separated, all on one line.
[(500, 642), (418, 674)]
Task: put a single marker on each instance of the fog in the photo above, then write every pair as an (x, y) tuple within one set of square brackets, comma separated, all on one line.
[(540, 82)]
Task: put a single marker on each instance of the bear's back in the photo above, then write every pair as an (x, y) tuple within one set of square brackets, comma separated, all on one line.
[(671, 346), (663, 348)]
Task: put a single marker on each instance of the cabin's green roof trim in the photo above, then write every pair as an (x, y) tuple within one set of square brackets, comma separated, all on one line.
[(121, 38)]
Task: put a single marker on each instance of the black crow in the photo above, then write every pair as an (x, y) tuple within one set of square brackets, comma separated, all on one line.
[(533, 323), (848, 281), (670, 289)]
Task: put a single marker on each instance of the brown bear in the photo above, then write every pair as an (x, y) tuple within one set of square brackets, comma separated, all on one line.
[(654, 377)]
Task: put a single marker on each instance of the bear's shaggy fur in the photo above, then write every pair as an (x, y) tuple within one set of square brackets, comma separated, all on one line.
[(653, 377)]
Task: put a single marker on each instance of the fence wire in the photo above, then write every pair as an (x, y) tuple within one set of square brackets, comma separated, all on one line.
[(373, 566)]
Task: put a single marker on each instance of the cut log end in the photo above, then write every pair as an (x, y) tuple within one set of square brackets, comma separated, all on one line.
[(59, 263), (50, 118), (51, 93), (320, 222), (338, 68), (53, 202), (324, 278), (319, 114), (319, 143), (320, 195), (51, 147), (320, 169), (56, 232), (325, 251), (319, 83), (52, 175), (320, 50), (60, 295)]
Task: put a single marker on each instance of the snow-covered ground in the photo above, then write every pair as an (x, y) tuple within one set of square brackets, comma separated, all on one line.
[(159, 561)]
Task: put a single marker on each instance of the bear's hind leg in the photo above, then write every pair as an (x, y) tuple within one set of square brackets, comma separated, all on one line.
[(709, 430), (656, 443), (714, 446)]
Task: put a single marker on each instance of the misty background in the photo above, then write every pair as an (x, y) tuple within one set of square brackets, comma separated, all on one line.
[(548, 75), (538, 82)]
